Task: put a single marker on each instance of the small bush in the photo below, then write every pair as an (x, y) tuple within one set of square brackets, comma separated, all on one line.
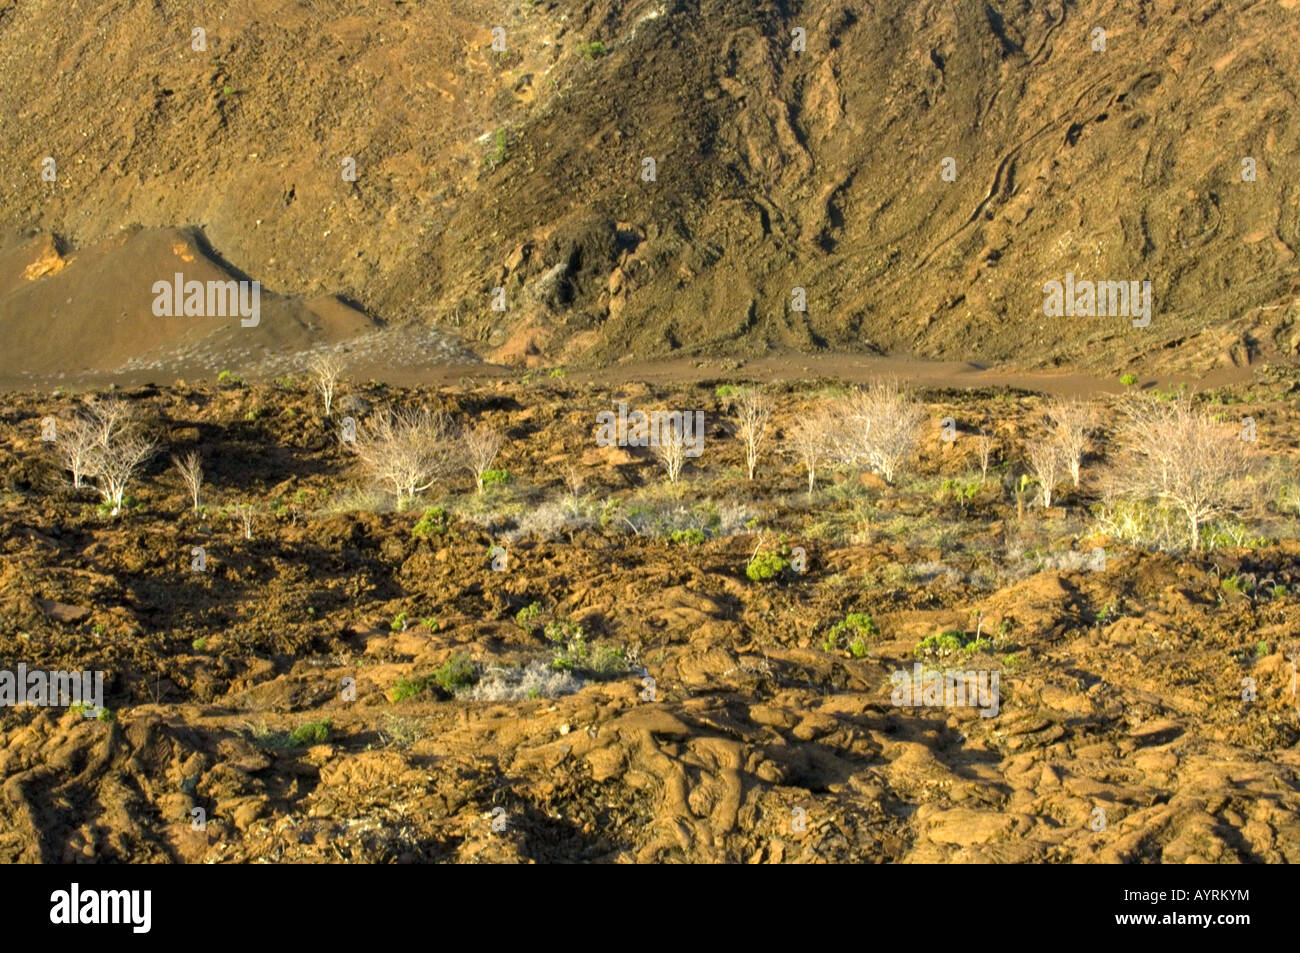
[(560, 631), (766, 565), (455, 673), (496, 477), (593, 50), (433, 522), (526, 618), (312, 733), (405, 688), (535, 680), (852, 632), (950, 643), (687, 537), (399, 622)]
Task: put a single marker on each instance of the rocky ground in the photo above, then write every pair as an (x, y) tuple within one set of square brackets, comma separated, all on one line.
[(576, 665)]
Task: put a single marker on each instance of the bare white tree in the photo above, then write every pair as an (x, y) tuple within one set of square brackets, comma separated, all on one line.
[(190, 467), (753, 414), (670, 451), (407, 451), (109, 418), (984, 446), (1178, 454), (1072, 422), (480, 446), (244, 513), (75, 442), (809, 439), (116, 465), (325, 370), (1046, 462), (881, 429)]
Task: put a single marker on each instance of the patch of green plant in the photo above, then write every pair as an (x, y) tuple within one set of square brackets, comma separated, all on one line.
[(725, 390), (1109, 613), (1261, 649), (200, 644), (430, 623), (609, 660), (502, 152), (1236, 584), (229, 377), (950, 643), (1011, 661), (432, 522), (101, 714), (1128, 380), (405, 688), (766, 565), (526, 618), (557, 374), (852, 633), (593, 50), (687, 537), (496, 477), (311, 733), (456, 672), (561, 631), (399, 622)]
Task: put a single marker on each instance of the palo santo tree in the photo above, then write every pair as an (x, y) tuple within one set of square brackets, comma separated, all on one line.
[(753, 414), (114, 449), (480, 446), (1178, 454), (1072, 422), (325, 370), (75, 444), (406, 451), (190, 467), (809, 440), (1046, 461), (881, 429), (670, 451)]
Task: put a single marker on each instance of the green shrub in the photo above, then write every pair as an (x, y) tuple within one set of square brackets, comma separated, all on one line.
[(951, 642), (609, 660), (199, 644), (312, 733), (495, 477), (399, 622), (526, 618), (852, 632), (687, 537), (560, 631), (1128, 380), (766, 565), (433, 522), (405, 688), (456, 672), (593, 50)]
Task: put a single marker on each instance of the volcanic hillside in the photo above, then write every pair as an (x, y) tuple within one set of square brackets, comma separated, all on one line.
[(775, 168)]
